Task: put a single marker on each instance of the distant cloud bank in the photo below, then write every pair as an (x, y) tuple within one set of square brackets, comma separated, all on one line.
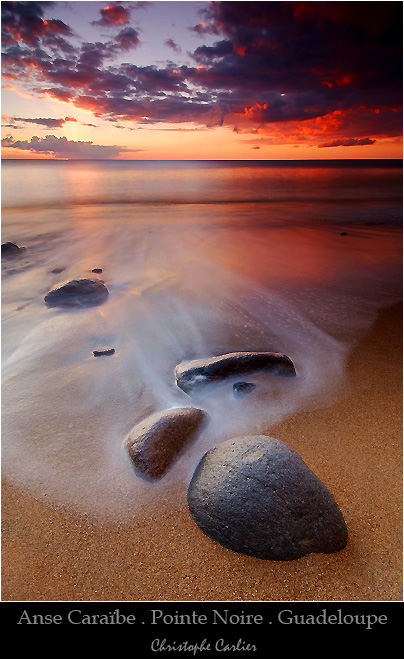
[(61, 147)]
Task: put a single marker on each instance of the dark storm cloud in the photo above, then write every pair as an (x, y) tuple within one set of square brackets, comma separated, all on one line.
[(171, 44), (63, 148), (23, 21), (127, 38), (48, 123), (348, 142), (204, 28), (206, 54), (117, 14), (323, 56), (337, 63), (113, 15), (173, 108)]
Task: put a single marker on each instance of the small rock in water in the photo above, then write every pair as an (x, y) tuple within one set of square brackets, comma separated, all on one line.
[(343, 233), (10, 249), (256, 496), (202, 371), (154, 443), (78, 293), (97, 270), (103, 351), (57, 271), (240, 389)]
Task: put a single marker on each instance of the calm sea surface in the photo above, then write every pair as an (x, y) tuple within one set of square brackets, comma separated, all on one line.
[(200, 258), (373, 190)]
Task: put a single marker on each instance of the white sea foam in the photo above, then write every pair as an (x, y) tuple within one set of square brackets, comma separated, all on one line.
[(182, 286)]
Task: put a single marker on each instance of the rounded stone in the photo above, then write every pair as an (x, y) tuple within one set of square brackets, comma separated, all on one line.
[(77, 293), (199, 372), (154, 443), (10, 249), (256, 496)]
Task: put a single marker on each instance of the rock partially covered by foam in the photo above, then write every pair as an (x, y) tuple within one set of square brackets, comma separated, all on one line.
[(192, 374), (241, 389), (154, 443), (78, 293), (10, 249), (256, 496)]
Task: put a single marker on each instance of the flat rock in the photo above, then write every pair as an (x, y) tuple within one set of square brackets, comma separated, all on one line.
[(256, 496), (77, 293), (241, 389), (57, 271), (99, 352), (97, 270), (154, 443), (192, 374), (10, 249)]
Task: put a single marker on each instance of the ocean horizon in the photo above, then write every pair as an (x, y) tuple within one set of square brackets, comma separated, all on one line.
[(314, 161)]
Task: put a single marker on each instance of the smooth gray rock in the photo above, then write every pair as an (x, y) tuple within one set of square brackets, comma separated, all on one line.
[(101, 351), (10, 249), (154, 443), (256, 496), (192, 374), (78, 293)]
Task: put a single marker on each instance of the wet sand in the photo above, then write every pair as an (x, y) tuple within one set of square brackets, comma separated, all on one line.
[(354, 445)]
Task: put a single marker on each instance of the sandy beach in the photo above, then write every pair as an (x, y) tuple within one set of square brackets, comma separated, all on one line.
[(353, 445)]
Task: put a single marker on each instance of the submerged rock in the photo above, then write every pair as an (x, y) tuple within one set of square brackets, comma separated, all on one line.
[(10, 249), (57, 271), (78, 293), (240, 389), (99, 352), (154, 443), (256, 496), (202, 371), (97, 270)]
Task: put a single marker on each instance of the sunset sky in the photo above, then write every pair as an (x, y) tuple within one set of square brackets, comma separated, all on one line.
[(202, 80)]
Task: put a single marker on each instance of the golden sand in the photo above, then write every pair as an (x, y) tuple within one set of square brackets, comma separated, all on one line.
[(353, 445)]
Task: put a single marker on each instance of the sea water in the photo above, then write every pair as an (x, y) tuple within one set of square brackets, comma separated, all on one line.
[(200, 259)]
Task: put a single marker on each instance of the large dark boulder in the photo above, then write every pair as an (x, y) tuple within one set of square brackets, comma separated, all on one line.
[(78, 293), (154, 443), (10, 249), (192, 374), (256, 496)]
